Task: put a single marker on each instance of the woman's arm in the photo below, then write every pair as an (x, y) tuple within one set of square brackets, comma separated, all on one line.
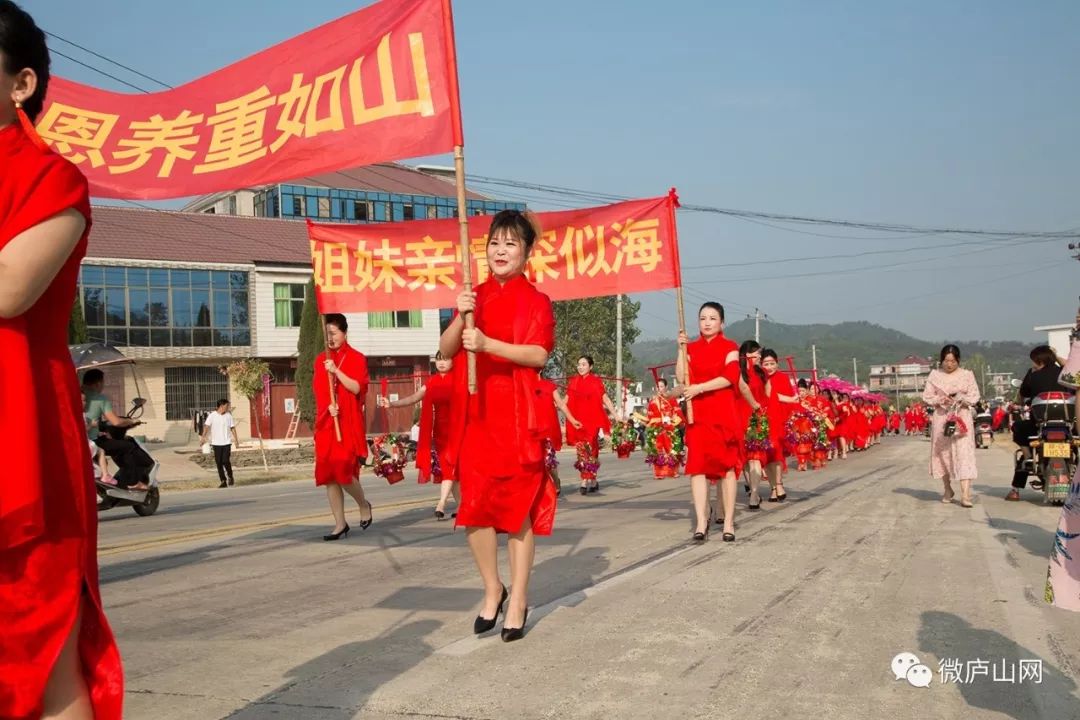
[(474, 340), (31, 260), (560, 402), (405, 402), (744, 389), (611, 407)]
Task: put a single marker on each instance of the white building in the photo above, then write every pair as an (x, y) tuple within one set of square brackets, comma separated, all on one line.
[(1057, 337), (907, 377)]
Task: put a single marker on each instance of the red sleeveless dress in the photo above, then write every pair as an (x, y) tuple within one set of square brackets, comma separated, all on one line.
[(339, 462), (435, 429), (48, 508)]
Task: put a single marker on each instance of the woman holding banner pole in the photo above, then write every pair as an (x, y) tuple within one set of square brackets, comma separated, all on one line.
[(708, 370), (340, 384), (500, 455)]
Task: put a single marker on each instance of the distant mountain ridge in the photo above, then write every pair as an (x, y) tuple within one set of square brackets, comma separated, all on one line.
[(837, 344)]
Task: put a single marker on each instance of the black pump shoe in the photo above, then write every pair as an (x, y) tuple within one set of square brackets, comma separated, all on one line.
[(338, 535), (482, 624), (512, 634)]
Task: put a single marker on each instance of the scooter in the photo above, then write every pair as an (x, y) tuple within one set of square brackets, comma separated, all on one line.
[(1053, 446), (984, 430), (135, 464)]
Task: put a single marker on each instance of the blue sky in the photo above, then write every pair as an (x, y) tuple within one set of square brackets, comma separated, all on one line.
[(956, 114)]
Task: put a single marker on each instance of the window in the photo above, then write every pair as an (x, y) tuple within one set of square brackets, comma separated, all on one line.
[(260, 205), (407, 212), (232, 204), (297, 205), (478, 211), (324, 207), (210, 210), (432, 212), (395, 319), (159, 307), (191, 389), (288, 304), (362, 210), (446, 315)]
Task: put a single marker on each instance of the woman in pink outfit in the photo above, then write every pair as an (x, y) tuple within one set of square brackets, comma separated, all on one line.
[(1063, 577), (951, 392)]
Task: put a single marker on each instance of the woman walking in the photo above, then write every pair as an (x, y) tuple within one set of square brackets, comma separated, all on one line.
[(435, 398), (501, 457), (58, 658), (708, 370), (340, 384), (587, 400), (751, 404), (782, 401), (951, 391)]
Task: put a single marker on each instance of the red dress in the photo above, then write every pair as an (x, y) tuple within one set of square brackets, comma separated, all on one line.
[(779, 412), (757, 390), (549, 417), (501, 456), (714, 441), (435, 425), (339, 462), (48, 509), (585, 400)]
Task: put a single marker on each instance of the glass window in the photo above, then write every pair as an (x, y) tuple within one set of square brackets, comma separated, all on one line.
[(219, 280), (116, 307), (159, 307), (324, 207), (432, 212), (181, 338), (362, 210), (180, 278), (395, 319), (200, 279), (200, 308), (159, 278), (232, 204), (297, 205), (138, 338), (136, 277), (140, 308), (116, 336), (222, 312), (181, 308), (115, 276), (160, 338), (94, 306), (408, 212), (201, 337), (288, 304), (92, 275)]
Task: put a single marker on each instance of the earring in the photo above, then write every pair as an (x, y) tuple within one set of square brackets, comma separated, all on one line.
[(28, 126)]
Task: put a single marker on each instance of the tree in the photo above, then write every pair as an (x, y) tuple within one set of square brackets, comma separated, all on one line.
[(246, 377), (77, 334), (312, 342), (587, 327)]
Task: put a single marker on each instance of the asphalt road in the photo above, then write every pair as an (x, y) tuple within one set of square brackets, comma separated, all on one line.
[(228, 604)]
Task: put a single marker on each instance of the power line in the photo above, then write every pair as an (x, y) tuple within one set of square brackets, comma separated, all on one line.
[(114, 62), (54, 51)]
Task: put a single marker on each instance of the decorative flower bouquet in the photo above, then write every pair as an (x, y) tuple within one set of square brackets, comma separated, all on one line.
[(390, 457), (586, 463), (800, 435), (758, 444), (664, 450), (623, 439)]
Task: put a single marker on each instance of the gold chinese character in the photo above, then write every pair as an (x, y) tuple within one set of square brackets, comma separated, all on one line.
[(331, 264), (384, 260), (238, 132), (300, 108), (175, 137), (545, 260), (431, 262), (391, 106), (640, 243), (597, 262), (70, 128)]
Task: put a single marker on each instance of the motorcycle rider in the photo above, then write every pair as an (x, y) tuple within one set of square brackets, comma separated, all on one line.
[(1041, 378), (97, 407)]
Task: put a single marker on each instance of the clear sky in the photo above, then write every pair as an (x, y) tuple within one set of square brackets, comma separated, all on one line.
[(929, 113)]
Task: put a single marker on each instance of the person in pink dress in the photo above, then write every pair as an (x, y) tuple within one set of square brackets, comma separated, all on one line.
[(1063, 575), (951, 391)]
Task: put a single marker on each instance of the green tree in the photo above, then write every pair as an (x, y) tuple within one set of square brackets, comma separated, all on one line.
[(587, 327), (246, 377), (77, 334), (312, 342)]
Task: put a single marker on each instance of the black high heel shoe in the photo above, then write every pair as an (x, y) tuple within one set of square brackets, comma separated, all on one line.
[(440, 515), (338, 535), (700, 537), (728, 537), (365, 524), (584, 489), (482, 624), (512, 634), (781, 498)]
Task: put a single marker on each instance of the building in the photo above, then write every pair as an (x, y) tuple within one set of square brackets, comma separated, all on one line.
[(185, 293), (906, 377), (1057, 337)]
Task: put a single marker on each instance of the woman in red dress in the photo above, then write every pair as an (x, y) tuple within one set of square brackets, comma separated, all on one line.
[(753, 400), (782, 400), (435, 398), (664, 421), (337, 462), (846, 426), (708, 370), (548, 402), (586, 400), (58, 658), (500, 457)]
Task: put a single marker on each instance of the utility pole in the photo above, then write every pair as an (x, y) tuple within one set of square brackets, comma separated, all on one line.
[(855, 364), (757, 317), (813, 351), (618, 352)]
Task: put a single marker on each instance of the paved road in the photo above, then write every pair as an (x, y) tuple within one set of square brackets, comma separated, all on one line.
[(228, 604)]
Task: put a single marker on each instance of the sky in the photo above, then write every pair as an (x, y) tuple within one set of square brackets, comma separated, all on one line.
[(940, 114)]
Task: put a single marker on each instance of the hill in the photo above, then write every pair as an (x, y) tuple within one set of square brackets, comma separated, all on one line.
[(838, 344)]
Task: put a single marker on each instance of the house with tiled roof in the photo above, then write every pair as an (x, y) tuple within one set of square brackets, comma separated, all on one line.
[(906, 377), (186, 292)]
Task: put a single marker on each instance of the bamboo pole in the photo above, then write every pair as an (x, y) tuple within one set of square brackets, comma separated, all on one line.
[(466, 253), (330, 379), (680, 306)]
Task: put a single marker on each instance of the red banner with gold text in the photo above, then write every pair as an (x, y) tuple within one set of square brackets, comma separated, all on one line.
[(628, 247), (376, 85)]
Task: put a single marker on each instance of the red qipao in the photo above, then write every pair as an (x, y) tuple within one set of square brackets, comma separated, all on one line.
[(779, 412), (435, 428), (549, 417), (714, 440), (500, 457), (339, 462), (585, 400), (48, 511)]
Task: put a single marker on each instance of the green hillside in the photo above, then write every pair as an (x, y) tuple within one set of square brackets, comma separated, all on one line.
[(838, 344)]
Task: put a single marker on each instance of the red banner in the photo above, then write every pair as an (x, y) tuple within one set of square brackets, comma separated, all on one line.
[(377, 85), (591, 252)]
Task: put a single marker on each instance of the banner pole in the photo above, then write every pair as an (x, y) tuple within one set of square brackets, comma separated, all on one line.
[(330, 379), (466, 252), (680, 305)]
